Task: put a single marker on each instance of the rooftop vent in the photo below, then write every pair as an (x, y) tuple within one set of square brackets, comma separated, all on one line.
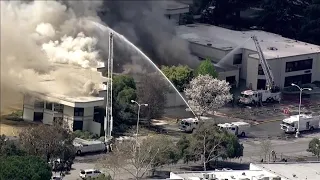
[(272, 48)]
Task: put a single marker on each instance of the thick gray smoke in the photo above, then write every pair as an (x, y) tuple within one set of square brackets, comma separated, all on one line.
[(144, 23), (44, 41), (44, 51)]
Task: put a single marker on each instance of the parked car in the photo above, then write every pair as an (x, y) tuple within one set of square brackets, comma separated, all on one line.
[(89, 173)]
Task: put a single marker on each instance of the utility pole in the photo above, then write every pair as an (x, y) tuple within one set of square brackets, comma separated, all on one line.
[(108, 120), (300, 97)]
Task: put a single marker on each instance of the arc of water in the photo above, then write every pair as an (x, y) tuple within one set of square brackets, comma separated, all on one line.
[(222, 61), (105, 28)]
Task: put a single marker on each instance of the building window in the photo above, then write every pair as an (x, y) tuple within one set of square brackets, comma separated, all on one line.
[(299, 65), (77, 125), (78, 111), (237, 59), (99, 114), (58, 107), (299, 79), (39, 104), (49, 106), (260, 70)]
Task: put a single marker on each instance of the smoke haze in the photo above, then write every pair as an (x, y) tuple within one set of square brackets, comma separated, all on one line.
[(44, 47), (144, 24), (43, 50)]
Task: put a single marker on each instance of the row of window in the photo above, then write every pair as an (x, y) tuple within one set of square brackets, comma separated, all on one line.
[(299, 65)]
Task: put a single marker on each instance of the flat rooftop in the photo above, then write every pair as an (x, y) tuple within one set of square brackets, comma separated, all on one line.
[(232, 174), (173, 5), (225, 39), (57, 89), (310, 171)]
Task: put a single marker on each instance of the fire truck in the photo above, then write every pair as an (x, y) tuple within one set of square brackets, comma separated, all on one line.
[(271, 93)]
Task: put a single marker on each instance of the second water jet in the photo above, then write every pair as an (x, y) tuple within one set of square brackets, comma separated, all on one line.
[(105, 28)]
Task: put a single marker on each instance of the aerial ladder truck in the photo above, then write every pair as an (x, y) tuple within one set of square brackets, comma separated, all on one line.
[(271, 93)]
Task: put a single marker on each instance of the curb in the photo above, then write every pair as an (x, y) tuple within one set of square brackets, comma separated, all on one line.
[(268, 121)]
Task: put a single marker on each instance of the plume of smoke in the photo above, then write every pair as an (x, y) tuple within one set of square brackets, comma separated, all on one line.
[(144, 23), (43, 50)]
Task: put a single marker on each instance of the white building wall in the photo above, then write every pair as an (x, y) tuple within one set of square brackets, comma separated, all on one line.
[(225, 74), (245, 57), (88, 118), (252, 73), (278, 67), (28, 113), (68, 116), (48, 117), (94, 127), (315, 67)]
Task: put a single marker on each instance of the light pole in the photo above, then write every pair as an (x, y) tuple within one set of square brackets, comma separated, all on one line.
[(139, 105), (301, 89)]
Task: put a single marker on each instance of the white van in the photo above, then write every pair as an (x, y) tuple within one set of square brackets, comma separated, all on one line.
[(89, 173)]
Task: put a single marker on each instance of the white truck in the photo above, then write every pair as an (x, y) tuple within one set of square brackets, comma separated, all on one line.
[(190, 124), (87, 146), (237, 128), (271, 93), (250, 97), (306, 123)]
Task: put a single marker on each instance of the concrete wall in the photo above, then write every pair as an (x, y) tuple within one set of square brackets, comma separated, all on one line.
[(94, 127), (174, 100), (207, 51), (252, 72), (223, 75)]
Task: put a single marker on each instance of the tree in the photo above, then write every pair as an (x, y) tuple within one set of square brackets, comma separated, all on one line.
[(206, 94), (281, 16), (48, 141), (124, 90), (180, 75), (311, 24), (265, 149), (206, 67), (137, 159), (8, 148), (208, 144), (314, 147), (152, 91), (24, 167)]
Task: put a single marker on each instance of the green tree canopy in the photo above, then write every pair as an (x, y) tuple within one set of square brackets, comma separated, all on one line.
[(24, 167), (124, 90), (314, 147), (209, 143), (206, 67), (178, 75), (311, 24)]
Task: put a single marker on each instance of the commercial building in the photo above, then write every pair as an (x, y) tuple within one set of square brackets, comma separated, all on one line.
[(276, 171), (291, 61), (175, 11), (77, 112)]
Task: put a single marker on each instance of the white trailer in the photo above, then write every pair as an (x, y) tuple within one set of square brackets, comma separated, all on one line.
[(306, 123), (237, 128), (190, 124), (86, 146)]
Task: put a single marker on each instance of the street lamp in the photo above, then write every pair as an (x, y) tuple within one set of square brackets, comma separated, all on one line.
[(139, 105), (301, 89)]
